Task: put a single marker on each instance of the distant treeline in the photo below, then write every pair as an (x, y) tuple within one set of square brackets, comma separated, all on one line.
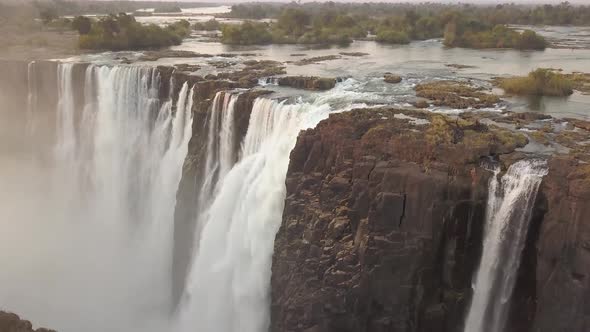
[(74, 7), (330, 23), (561, 14), (122, 32)]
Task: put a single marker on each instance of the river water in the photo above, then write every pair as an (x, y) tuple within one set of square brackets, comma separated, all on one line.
[(417, 62)]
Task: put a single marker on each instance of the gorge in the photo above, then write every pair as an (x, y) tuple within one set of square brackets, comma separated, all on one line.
[(161, 201)]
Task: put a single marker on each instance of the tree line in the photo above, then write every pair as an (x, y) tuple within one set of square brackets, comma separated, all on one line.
[(341, 23)]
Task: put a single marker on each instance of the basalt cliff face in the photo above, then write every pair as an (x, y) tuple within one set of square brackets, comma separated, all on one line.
[(383, 222), (13, 323)]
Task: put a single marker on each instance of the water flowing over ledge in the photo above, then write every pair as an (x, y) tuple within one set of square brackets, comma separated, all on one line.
[(368, 203), (109, 182), (509, 209), (229, 283)]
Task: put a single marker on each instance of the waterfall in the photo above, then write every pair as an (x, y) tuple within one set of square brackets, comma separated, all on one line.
[(508, 213), (99, 215), (100, 208), (228, 285), (220, 143)]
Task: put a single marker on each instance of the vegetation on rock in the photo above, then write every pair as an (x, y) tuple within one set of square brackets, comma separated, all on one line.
[(210, 25), (541, 82), (295, 26), (456, 95), (461, 26), (247, 33), (168, 8), (122, 32), (467, 33), (564, 13)]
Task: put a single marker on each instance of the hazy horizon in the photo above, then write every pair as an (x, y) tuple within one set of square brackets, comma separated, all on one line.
[(533, 2)]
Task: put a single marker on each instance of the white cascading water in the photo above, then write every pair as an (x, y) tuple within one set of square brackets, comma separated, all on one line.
[(220, 143), (228, 285), (508, 213), (102, 223), (99, 216)]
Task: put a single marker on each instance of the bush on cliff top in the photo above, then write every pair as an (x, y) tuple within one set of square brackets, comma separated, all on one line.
[(541, 82)]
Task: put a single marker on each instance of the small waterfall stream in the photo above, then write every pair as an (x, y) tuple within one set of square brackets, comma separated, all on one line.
[(510, 202)]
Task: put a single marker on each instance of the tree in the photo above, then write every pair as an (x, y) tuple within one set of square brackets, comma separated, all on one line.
[(83, 24), (48, 14)]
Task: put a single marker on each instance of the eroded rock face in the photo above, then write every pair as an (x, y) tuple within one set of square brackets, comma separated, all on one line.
[(383, 223), (563, 249), (13, 323)]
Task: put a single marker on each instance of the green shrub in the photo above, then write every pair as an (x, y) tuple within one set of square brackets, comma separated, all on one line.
[(247, 33), (210, 25), (83, 24), (122, 32), (392, 37), (541, 82), (530, 40), (168, 9)]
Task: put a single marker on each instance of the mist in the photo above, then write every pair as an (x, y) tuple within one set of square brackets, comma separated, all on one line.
[(88, 203)]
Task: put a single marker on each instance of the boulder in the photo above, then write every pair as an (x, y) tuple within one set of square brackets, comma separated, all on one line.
[(308, 82), (392, 78)]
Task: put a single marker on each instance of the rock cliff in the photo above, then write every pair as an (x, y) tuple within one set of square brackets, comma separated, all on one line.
[(383, 220), (13, 323)]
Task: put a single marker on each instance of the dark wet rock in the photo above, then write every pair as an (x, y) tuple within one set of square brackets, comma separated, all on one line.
[(353, 53), (459, 66), (308, 82), (187, 67), (13, 323), (298, 54), (421, 104), (222, 64), (156, 55), (563, 257), (456, 95), (580, 123), (245, 77), (392, 78), (317, 59), (253, 70), (383, 222)]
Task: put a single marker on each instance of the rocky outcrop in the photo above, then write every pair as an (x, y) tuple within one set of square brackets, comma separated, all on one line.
[(456, 95), (391, 78), (383, 222), (563, 256), (308, 82), (13, 323)]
